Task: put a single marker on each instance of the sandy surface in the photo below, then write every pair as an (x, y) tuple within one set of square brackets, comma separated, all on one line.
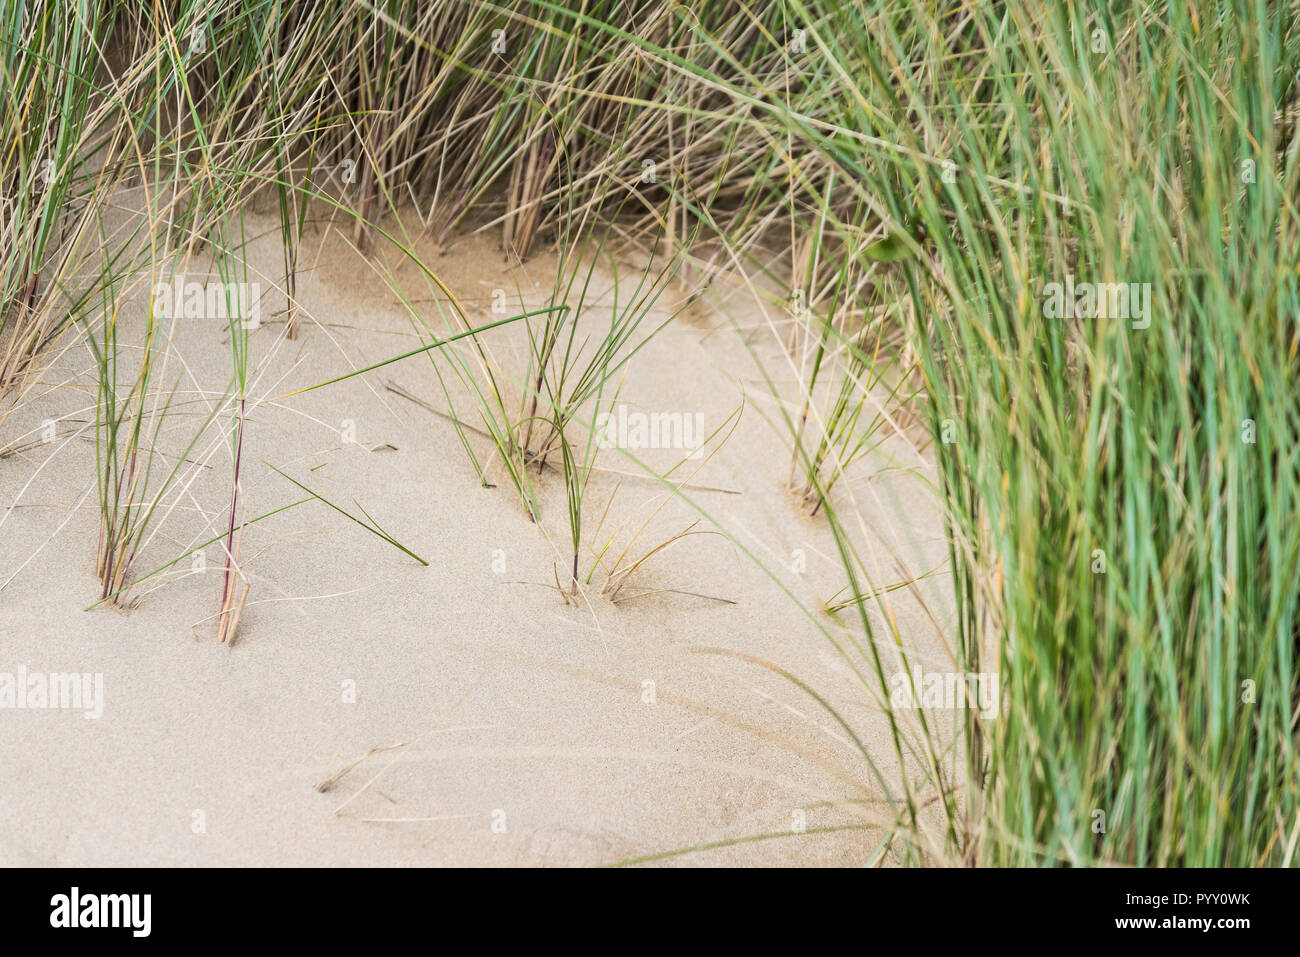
[(524, 731)]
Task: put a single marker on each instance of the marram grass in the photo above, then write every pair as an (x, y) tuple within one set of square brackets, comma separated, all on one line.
[(945, 189)]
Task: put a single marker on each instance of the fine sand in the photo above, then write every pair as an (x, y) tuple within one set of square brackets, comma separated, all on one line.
[(516, 729)]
